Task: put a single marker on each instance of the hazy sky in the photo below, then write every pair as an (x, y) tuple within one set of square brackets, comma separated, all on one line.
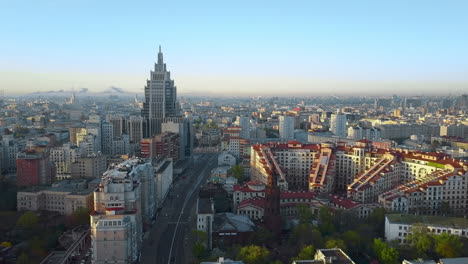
[(237, 47)]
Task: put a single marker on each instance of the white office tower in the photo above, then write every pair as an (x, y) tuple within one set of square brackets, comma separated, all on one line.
[(125, 196), (286, 127), (63, 157), (244, 123), (163, 170), (338, 124)]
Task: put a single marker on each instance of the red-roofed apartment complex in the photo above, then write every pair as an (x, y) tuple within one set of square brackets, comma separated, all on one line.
[(410, 181)]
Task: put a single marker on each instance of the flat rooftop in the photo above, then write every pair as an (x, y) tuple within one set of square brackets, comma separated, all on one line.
[(456, 222)]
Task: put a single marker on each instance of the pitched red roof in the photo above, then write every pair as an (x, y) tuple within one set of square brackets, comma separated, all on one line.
[(255, 202)]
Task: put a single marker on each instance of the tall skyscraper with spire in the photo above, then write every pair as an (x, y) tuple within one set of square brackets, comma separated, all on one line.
[(160, 98)]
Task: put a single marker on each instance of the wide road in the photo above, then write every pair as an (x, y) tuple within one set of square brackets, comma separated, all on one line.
[(166, 241)]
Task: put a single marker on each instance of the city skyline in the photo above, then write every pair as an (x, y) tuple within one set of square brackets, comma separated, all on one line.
[(215, 49)]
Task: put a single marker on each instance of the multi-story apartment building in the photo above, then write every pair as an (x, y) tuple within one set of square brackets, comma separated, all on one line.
[(440, 192), (9, 147), (244, 124), (338, 124), (365, 172), (63, 197), (209, 137), (291, 160), (399, 226), (231, 141), (321, 178), (34, 168), (382, 176), (118, 124), (457, 130), (164, 171), (91, 166), (184, 127), (286, 127), (399, 131), (166, 144), (116, 222), (357, 132), (127, 197), (135, 127), (63, 157)]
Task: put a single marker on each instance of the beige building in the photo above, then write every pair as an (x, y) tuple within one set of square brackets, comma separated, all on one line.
[(116, 224), (63, 197), (88, 167)]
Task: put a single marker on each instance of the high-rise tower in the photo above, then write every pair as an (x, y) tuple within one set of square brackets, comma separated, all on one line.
[(160, 97)]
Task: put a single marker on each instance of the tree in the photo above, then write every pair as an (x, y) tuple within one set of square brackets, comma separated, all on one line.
[(238, 172), (261, 236), (253, 254), (448, 246), (377, 220), (200, 236), (80, 216), (27, 221), (353, 241), (305, 213), (335, 243), (305, 234), (421, 241), (326, 226), (385, 253), (199, 250), (306, 253)]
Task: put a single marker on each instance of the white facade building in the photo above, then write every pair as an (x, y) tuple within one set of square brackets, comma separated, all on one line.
[(399, 226), (164, 176), (286, 127), (244, 124), (63, 157), (338, 124)]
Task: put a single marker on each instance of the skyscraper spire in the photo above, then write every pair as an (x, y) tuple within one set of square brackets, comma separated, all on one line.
[(160, 56)]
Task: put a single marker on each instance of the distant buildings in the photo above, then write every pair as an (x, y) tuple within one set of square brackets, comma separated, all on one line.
[(244, 124), (358, 133), (286, 127), (338, 124)]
